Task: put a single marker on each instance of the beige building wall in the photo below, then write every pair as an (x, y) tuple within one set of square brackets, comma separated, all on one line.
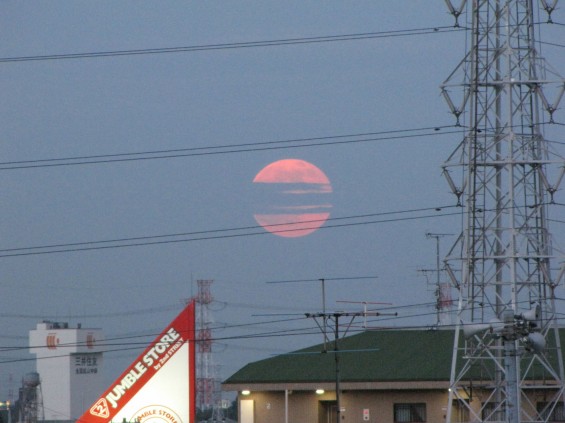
[(357, 406), (368, 405)]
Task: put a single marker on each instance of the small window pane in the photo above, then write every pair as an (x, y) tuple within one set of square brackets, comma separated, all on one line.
[(410, 413)]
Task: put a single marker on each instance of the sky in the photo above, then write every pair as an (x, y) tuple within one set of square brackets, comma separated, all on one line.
[(173, 141)]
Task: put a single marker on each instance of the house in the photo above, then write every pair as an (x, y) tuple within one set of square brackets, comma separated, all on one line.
[(384, 376)]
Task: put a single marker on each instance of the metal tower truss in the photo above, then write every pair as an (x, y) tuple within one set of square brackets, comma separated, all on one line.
[(208, 394), (507, 363)]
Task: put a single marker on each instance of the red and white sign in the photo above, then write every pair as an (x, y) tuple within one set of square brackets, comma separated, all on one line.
[(159, 386)]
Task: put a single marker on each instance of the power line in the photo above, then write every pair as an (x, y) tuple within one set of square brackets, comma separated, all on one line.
[(233, 148), (226, 233), (432, 212), (319, 141), (130, 346), (231, 46), (128, 342), (121, 347), (548, 43), (143, 311), (248, 44)]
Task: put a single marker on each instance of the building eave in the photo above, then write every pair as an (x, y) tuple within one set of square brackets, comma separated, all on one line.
[(329, 386)]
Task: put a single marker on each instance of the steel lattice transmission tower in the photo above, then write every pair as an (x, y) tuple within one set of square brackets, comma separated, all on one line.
[(507, 363), (207, 383)]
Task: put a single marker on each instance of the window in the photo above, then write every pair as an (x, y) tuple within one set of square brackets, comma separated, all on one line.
[(491, 412), (555, 414), (408, 413)]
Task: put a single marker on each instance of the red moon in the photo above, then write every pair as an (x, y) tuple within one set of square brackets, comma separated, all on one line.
[(296, 192)]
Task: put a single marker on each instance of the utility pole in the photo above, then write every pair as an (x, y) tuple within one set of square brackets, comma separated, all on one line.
[(323, 327), (335, 317), (507, 363)]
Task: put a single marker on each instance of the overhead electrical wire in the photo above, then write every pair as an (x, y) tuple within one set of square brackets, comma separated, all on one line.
[(111, 347), (209, 150), (342, 139), (232, 148), (244, 231), (127, 343), (246, 44), (549, 43), (375, 218), (237, 45), (226, 233), (152, 310), (313, 330)]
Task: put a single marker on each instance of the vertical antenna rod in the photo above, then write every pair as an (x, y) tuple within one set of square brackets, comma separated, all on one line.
[(441, 318)]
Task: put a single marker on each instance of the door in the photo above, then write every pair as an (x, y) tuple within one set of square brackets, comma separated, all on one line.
[(327, 412)]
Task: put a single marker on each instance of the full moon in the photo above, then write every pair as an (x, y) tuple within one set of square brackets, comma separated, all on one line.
[(295, 198)]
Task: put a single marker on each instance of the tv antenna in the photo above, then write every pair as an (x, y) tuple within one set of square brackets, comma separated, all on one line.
[(335, 316), (323, 288), (442, 290), (366, 311)]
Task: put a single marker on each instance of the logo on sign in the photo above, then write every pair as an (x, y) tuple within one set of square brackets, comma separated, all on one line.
[(100, 409), (156, 414), (51, 341)]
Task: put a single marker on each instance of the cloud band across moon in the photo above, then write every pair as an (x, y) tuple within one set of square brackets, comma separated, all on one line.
[(294, 196)]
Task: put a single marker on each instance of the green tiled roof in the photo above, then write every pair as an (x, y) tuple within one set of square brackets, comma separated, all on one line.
[(384, 355)]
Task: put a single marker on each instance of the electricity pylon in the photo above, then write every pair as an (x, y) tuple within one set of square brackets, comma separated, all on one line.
[(507, 363), (208, 395)]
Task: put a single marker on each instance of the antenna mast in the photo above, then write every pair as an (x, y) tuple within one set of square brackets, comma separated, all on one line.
[(442, 290), (507, 363)]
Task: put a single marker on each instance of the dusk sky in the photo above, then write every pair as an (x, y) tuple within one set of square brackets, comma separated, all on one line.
[(128, 177)]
